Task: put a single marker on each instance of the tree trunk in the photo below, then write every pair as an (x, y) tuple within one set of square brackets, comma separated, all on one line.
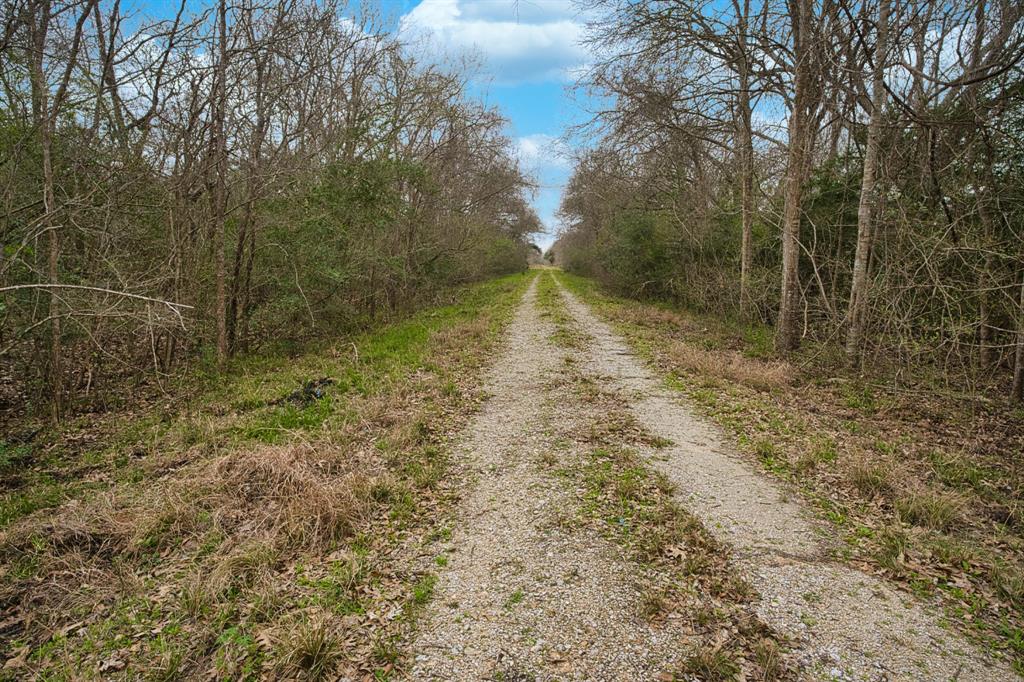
[(859, 290), (1017, 393), (787, 336), (219, 198), (986, 334), (52, 272), (746, 166), (982, 153), (43, 119), (247, 229)]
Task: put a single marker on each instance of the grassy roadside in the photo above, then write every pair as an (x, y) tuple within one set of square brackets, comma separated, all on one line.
[(924, 491), (268, 529), (683, 572)]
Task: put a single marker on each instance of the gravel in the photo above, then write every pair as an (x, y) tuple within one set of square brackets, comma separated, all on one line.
[(525, 596), (846, 624)]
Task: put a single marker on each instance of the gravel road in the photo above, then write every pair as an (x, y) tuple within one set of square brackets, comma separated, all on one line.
[(525, 593)]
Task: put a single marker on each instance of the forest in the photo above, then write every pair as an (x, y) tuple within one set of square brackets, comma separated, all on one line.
[(848, 173), (181, 190), (512, 340)]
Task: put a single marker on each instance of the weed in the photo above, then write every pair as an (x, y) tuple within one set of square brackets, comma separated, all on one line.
[(951, 551), (768, 657), (868, 478), (893, 544), (311, 649), (1008, 581), (42, 494), (929, 508), (386, 651), (823, 452), (956, 470), (194, 599), (423, 590), (712, 664), (514, 598), (653, 602), (759, 341), (729, 365), (13, 456), (771, 457), (860, 397)]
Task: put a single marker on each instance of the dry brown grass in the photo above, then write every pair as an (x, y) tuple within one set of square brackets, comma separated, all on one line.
[(309, 649), (655, 317), (762, 375), (870, 477), (935, 509), (292, 495)]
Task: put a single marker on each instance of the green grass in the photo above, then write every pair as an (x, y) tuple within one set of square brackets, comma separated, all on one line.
[(42, 493), (424, 589), (361, 365), (418, 359), (552, 307), (515, 598), (958, 472), (13, 456)]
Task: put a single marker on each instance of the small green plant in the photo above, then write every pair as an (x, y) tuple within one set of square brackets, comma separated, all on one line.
[(824, 452), (514, 598), (771, 457), (860, 398), (423, 590), (929, 508), (13, 455), (712, 664)]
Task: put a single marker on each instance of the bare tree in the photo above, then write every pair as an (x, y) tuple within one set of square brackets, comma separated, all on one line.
[(868, 191)]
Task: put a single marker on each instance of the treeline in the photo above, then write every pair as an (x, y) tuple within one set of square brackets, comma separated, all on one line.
[(206, 183), (851, 172)]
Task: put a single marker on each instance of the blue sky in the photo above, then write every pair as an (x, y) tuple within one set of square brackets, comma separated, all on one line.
[(530, 55)]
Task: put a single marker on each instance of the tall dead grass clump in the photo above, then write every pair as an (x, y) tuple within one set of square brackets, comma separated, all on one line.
[(650, 316), (292, 495), (309, 649), (759, 374), (101, 527), (462, 335), (171, 515)]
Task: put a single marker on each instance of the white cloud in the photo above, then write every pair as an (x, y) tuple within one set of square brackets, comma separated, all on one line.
[(542, 152), (521, 42)]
